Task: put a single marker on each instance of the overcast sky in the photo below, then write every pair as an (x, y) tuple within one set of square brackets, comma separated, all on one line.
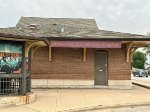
[(131, 16)]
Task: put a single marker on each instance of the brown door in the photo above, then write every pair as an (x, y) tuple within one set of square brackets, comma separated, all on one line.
[(101, 68)]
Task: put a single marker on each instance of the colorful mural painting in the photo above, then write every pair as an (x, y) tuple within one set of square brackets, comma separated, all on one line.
[(10, 57)]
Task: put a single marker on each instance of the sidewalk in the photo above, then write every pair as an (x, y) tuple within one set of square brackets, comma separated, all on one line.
[(79, 100)]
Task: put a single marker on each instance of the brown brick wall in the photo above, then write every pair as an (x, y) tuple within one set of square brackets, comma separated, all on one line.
[(119, 69), (67, 63)]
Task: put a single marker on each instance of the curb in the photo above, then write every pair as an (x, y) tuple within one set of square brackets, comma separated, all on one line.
[(100, 107), (12, 101), (142, 85)]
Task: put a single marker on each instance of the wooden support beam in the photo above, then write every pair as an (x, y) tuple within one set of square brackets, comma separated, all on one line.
[(128, 51), (24, 83), (50, 52), (34, 49), (132, 46), (28, 45), (84, 54)]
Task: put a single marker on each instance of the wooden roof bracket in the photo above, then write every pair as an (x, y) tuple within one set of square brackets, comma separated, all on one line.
[(50, 51), (84, 54), (34, 49), (29, 45), (128, 51), (132, 51)]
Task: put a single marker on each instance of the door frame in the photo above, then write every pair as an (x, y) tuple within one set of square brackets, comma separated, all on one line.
[(101, 51)]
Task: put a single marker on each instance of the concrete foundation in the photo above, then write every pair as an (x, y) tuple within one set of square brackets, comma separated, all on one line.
[(8, 101), (50, 83)]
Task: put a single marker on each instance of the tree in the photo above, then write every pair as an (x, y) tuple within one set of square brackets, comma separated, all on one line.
[(138, 60), (148, 34), (147, 49)]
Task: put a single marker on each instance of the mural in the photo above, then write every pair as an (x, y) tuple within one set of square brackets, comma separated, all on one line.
[(10, 57)]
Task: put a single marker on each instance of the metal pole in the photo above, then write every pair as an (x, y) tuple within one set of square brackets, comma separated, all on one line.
[(23, 70)]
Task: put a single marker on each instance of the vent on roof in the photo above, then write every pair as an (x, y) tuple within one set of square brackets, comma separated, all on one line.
[(20, 28), (33, 26), (62, 29)]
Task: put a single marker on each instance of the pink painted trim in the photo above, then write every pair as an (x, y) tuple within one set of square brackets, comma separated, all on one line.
[(86, 44)]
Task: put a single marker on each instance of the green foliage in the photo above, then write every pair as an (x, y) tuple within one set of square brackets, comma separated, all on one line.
[(138, 60), (147, 48)]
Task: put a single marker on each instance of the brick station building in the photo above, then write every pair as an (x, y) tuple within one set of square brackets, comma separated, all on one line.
[(70, 52)]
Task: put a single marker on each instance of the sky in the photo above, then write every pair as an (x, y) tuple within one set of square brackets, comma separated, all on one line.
[(131, 16)]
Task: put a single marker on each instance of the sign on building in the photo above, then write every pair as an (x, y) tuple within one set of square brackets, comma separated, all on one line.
[(10, 57)]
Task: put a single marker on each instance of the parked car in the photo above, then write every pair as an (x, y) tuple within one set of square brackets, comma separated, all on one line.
[(140, 72)]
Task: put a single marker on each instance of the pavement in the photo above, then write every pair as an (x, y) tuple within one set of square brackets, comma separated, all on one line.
[(83, 100), (141, 81), (126, 109)]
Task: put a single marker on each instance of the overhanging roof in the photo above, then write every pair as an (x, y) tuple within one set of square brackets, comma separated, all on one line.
[(13, 33), (50, 28)]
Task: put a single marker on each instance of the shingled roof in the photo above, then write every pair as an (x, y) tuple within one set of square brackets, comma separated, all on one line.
[(82, 24), (63, 28)]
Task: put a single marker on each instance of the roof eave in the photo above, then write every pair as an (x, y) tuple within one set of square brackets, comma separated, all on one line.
[(24, 37), (79, 38)]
